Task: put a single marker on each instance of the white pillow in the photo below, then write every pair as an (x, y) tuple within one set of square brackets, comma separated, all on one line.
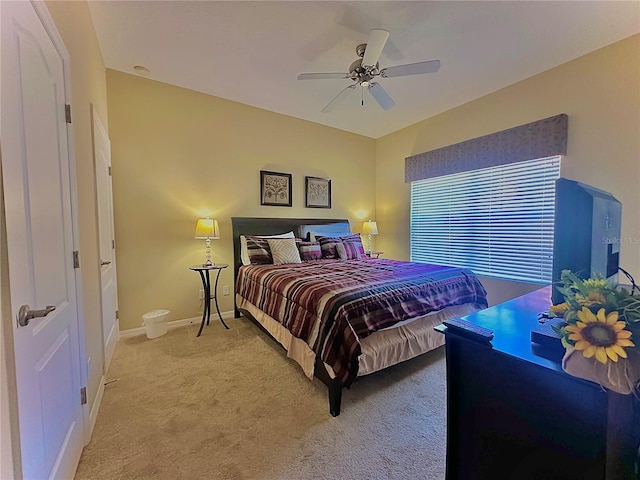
[(284, 250), (244, 251)]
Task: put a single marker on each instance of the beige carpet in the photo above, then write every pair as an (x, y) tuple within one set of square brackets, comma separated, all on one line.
[(230, 405)]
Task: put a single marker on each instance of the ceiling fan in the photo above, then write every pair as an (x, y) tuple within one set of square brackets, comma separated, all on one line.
[(366, 68)]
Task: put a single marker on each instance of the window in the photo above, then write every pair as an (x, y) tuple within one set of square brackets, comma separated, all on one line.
[(496, 221)]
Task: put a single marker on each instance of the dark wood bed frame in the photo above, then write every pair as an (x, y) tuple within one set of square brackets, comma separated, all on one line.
[(300, 227)]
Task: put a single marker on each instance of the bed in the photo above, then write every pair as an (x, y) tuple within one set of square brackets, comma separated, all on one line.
[(341, 319)]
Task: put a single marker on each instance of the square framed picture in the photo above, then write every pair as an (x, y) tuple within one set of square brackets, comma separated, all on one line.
[(275, 189), (317, 192)]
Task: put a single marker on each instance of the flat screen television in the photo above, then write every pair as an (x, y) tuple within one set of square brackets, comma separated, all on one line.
[(586, 233)]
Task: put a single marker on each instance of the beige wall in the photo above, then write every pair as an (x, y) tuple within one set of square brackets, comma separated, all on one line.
[(178, 154), (601, 94), (88, 85)]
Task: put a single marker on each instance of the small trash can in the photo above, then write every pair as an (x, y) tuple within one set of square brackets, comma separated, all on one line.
[(155, 323)]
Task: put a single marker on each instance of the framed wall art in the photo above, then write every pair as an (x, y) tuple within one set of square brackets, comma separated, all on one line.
[(317, 192), (275, 189)]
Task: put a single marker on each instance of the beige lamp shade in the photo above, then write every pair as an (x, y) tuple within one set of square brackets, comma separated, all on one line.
[(207, 228), (370, 228)]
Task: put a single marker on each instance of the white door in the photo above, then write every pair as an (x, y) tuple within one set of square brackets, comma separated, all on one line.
[(37, 189), (102, 156)]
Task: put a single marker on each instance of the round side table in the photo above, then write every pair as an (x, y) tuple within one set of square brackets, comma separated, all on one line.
[(204, 270)]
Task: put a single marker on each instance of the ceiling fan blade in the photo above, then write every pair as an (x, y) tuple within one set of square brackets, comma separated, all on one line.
[(381, 95), (375, 44), (338, 98), (430, 66), (318, 76)]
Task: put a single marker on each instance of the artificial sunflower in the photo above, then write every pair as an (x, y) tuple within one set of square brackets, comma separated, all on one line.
[(592, 298), (601, 335), (559, 309), (595, 283)]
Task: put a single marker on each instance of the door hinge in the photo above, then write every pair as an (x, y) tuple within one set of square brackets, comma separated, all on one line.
[(67, 112), (113, 244), (117, 315), (83, 396), (109, 170), (76, 259)]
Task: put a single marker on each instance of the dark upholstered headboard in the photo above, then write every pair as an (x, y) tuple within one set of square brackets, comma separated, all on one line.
[(272, 226)]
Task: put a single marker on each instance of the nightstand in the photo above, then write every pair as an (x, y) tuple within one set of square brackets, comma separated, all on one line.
[(204, 270)]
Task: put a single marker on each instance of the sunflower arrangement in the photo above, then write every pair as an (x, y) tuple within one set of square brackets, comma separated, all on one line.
[(599, 320)]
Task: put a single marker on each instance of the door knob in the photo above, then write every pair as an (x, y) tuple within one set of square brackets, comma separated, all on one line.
[(25, 314), (103, 263)]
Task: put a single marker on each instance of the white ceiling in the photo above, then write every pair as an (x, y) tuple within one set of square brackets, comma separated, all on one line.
[(252, 52)]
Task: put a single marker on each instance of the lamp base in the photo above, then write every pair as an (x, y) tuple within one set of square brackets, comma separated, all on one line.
[(207, 254)]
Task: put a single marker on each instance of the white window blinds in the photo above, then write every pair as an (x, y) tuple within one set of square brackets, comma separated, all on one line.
[(497, 221)]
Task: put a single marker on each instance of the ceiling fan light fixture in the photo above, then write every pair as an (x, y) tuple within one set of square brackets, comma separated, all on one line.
[(364, 70)]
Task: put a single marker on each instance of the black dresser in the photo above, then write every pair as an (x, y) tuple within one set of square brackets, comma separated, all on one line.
[(513, 413)]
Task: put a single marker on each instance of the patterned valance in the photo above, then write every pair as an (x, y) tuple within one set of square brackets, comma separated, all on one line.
[(540, 139)]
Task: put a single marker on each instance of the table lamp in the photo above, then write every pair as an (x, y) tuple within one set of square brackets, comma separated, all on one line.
[(207, 229), (369, 228)]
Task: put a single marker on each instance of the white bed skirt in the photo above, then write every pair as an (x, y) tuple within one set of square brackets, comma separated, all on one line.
[(380, 350)]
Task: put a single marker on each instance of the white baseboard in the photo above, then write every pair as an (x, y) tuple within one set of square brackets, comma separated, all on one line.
[(132, 332), (95, 407)]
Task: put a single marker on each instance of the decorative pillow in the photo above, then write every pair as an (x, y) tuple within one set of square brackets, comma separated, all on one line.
[(284, 250), (313, 236), (244, 251), (258, 251), (328, 244), (349, 250), (359, 246), (309, 251)]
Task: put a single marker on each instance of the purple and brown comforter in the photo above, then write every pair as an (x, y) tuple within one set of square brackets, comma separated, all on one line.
[(332, 304)]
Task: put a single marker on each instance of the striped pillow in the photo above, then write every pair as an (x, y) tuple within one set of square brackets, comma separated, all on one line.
[(328, 244), (258, 250), (350, 250), (313, 236), (309, 251), (284, 251), (359, 246)]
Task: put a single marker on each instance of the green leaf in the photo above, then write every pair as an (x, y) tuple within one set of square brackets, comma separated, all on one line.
[(571, 316), (630, 309)]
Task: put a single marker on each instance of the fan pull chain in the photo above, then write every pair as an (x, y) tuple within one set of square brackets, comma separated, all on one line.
[(362, 96)]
